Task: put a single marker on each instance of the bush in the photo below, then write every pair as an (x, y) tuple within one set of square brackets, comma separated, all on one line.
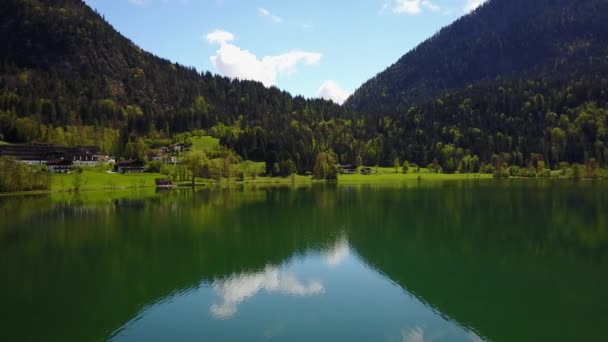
[(487, 169), (544, 173), (529, 172), (502, 174), (578, 171), (166, 169), (240, 175), (276, 169), (154, 166), (406, 167), (17, 176), (563, 166), (288, 168), (568, 172), (326, 166)]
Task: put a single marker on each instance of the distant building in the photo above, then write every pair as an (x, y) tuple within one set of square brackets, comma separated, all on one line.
[(40, 154), (367, 171), (347, 169), (59, 166), (181, 148), (86, 160), (164, 150), (155, 155), (163, 183), (129, 166)]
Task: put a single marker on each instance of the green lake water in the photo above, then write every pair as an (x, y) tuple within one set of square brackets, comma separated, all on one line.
[(442, 261)]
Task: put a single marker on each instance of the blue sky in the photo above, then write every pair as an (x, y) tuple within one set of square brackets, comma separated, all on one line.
[(315, 48)]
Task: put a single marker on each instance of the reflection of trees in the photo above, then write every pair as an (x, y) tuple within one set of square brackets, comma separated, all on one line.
[(105, 261), (93, 261), (533, 255)]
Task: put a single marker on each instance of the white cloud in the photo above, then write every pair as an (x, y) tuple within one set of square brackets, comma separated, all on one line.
[(431, 6), (308, 25), (411, 7), (407, 6), (234, 62), (238, 288), (329, 90), (145, 2), (470, 5), (262, 12), (219, 37)]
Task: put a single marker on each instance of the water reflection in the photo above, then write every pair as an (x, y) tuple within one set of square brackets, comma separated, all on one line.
[(238, 288), (338, 252), (420, 334), (440, 262)]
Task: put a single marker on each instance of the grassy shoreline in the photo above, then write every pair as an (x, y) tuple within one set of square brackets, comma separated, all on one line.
[(101, 181)]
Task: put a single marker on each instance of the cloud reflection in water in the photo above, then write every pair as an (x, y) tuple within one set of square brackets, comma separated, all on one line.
[(338, 252), (238, 288)]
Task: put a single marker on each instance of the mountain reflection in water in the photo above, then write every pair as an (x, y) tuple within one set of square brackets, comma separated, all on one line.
[(460, 261)]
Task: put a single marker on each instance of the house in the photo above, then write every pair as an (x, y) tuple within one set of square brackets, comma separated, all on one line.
[(102, 158), (164, 150), (40, 154), (181, 147), (129, 166), (155, 155), (58, 166), (367, 171), (163, 183), (85, 160), (347, 169)]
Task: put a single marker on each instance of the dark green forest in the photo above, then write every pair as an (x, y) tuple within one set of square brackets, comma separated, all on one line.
[(501, 40), (509, 84)]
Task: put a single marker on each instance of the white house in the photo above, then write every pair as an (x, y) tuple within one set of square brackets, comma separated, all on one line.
[(85, 160)]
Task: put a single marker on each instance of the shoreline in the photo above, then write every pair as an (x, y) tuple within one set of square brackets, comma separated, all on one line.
[(295, 181)]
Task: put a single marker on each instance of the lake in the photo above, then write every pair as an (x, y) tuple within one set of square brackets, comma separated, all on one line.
[(513, 260)]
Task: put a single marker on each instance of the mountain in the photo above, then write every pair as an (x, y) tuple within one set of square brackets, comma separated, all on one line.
[(62, 66), (501, 40), (516, 82)]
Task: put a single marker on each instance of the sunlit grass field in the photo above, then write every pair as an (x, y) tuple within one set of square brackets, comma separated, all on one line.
[(205, 143), (399, 177), (98, 179)]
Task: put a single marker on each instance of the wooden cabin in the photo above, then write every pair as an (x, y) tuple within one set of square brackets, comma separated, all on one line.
[(163, 183), (367, 171), (129, 166), (347, 169)]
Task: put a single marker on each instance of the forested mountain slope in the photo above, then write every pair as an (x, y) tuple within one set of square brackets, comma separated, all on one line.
[(516, 82), (63, 65), (503, 39)]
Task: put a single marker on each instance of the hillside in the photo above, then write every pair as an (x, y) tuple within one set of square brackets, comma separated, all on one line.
[(501, 40), (523, 83), (62, 65)]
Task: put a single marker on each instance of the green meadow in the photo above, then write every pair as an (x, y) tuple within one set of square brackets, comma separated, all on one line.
[(399, 177), (205, 143), (98, 179)]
